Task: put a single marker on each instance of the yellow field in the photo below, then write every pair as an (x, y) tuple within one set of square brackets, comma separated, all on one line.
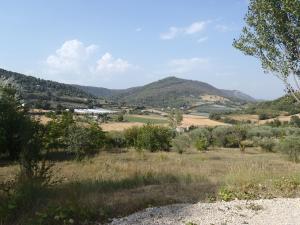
[(280, 118), (193, 120), (244, 117), (119, 126)]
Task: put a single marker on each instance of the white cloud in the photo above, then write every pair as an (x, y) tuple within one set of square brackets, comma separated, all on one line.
[(75, 62), (172, 33), (202, 39), (193, 28), (107, 64), (185, 65), (138, 29), (70, 57)]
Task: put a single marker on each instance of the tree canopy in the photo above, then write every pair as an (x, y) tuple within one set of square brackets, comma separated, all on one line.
[(272, 34)]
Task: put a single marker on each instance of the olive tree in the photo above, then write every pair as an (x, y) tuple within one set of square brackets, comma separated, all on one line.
[(272, 34)]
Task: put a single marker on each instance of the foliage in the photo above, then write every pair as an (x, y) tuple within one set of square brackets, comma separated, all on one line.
[(226, 136), (116, 139), (267, 144), (84, 140), (181, 143), (57, 130), (290, 146), (120, 117), (19, 135), (131, 135), (295, 121), (214, 116), (259, 131), (272, 35), (149, 137), (175, 118), (201, 144), (46, 94)]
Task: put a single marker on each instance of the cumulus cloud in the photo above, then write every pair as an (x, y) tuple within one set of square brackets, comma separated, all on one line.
[(193, 28), (75, 62), (108, 64), (70, 57)]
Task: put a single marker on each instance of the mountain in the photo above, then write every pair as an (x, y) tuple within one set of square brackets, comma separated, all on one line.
[(41, 93), (171, 91), (168, 92)]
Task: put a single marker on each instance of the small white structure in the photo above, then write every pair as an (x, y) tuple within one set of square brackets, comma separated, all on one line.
[(94, 111)]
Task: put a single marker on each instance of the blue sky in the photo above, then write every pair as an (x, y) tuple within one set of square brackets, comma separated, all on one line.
[(124, 43)]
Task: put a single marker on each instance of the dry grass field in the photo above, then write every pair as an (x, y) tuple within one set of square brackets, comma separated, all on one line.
[(119, 183), (201, 121), (244, 117), (280, 118), (119, 126)]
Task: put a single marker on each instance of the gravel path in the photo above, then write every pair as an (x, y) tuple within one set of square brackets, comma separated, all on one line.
[(279, 211)]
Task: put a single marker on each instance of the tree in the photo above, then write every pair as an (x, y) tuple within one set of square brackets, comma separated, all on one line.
[(175, 118), (272, 35), (18, 132), (20, 136)]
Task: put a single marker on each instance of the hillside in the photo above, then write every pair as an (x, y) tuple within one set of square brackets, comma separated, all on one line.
[(171, 91), (283, 104), (46, 94), (168, 92)]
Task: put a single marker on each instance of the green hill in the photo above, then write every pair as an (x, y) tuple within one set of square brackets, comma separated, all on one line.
[(39, 93), (171, 91)]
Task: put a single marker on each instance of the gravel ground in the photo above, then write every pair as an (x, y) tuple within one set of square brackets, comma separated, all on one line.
[(258, 212)]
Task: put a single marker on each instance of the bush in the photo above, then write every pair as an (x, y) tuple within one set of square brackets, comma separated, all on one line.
[(153, 138), (295, 121), (201, 144), (291, 147), (230, 136), (131, 135), (83, 141), (260, 131), (263, 116), (116, 139), (214, 116), (267, 144), (181, 143)]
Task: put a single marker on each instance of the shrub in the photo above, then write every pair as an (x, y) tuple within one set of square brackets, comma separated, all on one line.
[(116, 139), (267, 144), (263, 116), (203, 133), (291, 147), (130, 136), (214, 116), (83, 141), (153, 138), (120, 117), (230, 136), (259, 131), (295, 121), (181, 143), (201, 144)]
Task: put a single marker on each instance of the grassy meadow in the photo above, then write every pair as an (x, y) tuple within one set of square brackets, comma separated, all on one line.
[(113, 184)]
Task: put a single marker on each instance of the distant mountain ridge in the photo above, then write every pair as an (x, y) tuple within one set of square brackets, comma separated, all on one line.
[(42, 93), (170, 91), (167, 92)]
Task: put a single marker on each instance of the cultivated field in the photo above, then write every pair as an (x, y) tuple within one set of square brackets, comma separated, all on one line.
[(201, 121)]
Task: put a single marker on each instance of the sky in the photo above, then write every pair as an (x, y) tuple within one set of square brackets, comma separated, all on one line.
[(125, 43)]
